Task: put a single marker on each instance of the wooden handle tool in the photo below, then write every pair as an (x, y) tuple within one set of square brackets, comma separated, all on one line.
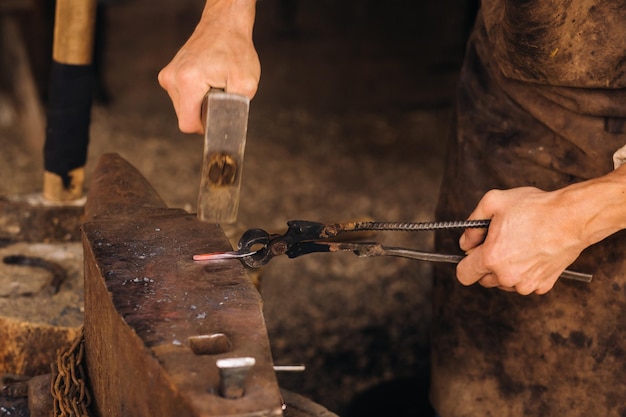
[(69, 103)]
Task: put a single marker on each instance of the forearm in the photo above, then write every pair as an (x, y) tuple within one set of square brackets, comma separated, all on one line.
[(534, 235), (598, 205), (239, 14)]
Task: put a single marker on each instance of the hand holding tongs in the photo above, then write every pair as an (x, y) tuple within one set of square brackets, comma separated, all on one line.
[(257, 247)]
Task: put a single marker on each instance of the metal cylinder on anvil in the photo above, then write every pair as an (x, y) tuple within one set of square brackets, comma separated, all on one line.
[(69, 102)]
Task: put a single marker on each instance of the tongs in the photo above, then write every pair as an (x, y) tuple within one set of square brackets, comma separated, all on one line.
[(257, 247)]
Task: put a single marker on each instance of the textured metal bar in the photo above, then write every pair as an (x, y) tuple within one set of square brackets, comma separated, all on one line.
[(421, 226)]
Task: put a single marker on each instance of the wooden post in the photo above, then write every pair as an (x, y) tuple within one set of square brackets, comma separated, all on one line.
[(14, 60), (69, 108), (74, 30)]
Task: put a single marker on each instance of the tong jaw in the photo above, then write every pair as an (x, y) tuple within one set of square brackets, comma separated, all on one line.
[(287, 244)]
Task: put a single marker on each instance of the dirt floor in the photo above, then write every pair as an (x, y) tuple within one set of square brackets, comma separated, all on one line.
[(349, 123)]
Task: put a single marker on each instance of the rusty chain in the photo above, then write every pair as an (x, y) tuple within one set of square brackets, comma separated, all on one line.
[(69, 384)]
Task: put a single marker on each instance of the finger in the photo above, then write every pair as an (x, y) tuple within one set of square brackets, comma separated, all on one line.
[(186, 93), (470, 270), (243, 78), (485, 209), (545, 286), (471, 238), (246, 86), (188, 107), (164, 78), (165, 81), (489, 281), (525, 288)]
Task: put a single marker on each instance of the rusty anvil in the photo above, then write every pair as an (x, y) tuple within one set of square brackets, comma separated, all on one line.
[(157, 323)]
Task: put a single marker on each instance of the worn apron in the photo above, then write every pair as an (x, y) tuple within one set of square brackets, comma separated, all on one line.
[(541, 102)]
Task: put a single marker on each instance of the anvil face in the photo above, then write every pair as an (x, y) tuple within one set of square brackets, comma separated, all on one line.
[(148, 306)]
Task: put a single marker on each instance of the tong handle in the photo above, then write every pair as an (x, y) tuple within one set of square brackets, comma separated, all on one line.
[(376, 249)]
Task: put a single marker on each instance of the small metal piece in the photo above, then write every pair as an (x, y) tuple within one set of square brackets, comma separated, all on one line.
[(222, 255), (577, 276), (233, 375), (210, 344), (289, 368), (249, 240)]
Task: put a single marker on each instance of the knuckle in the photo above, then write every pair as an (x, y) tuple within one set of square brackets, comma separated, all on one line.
[(489, 281), (491, 198), (250, 86), (546, 285), (188, 75), (491, 261), (246, 86), (508, 280), (525, 289), (164, 78)]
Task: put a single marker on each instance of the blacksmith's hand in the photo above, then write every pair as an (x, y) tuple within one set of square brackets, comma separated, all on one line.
[(533, 237), (219, 54)]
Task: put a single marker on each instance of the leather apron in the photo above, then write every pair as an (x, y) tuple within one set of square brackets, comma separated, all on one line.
[(541, 102)]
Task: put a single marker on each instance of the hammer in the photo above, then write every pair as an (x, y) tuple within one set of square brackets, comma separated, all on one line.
[(225, 120)]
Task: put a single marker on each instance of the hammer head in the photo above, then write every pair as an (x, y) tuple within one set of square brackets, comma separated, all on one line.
[(225, 126)]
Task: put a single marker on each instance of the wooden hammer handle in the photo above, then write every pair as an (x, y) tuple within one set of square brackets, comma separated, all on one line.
[(74, 28)]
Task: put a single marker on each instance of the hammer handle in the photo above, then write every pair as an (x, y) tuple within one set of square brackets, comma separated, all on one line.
[(74, 30)]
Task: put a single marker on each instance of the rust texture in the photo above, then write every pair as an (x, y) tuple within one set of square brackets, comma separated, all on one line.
[(145, 299), (22, 220), (31, 347)]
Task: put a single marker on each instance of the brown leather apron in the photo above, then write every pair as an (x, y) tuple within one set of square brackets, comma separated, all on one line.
[(541, 102)]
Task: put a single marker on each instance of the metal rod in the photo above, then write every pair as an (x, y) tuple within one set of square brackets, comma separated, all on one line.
[(421, 226), (289, 368), (455, 259), (233, 375)]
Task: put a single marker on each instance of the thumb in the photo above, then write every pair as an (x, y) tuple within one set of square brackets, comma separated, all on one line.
[(471, 238)]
